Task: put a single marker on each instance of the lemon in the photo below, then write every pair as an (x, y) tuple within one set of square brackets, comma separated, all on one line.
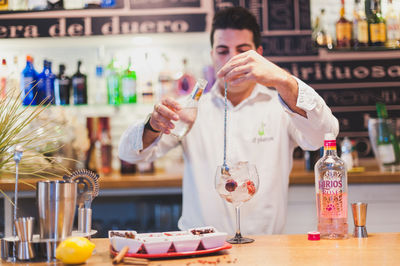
[(74, 250)]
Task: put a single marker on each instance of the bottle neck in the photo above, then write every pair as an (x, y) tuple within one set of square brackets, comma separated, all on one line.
[(330, 148)]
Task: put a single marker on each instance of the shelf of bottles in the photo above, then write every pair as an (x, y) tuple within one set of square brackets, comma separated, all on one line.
[(39, 5), (368, 28)]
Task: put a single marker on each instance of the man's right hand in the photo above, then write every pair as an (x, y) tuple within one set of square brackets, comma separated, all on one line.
[(163, 113)]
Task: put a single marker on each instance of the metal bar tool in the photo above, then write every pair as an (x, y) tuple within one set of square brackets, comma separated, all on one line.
[(359, 210)]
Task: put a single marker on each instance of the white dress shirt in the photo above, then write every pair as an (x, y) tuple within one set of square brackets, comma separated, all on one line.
[(260, 130)]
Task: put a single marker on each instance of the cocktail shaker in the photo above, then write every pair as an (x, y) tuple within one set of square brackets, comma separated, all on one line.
[(56, 204)]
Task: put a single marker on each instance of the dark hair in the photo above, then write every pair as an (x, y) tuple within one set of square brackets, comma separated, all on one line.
[(236, 18)]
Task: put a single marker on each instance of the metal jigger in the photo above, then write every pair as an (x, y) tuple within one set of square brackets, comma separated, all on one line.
[(24, 226), (359, 210)]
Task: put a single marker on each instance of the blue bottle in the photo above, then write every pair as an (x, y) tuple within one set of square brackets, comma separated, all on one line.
[(108, 3), (46, 84), (29, 78)]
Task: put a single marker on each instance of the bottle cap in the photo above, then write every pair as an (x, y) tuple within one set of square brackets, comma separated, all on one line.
[(314, 235)]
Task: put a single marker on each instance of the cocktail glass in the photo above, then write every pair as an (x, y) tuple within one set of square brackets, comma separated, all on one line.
[(237, 186)]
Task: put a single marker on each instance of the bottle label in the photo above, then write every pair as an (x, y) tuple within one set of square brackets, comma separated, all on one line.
[(378, 32), (332, 200), (128, 87), (197, 92), (343, 31), (332, 206), (386, 153), (362, 31)]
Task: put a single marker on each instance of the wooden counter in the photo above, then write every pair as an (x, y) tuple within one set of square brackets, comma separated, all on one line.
[(162, 179), (377, 249)]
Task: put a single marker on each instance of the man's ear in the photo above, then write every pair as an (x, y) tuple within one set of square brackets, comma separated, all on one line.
[(260, 50)]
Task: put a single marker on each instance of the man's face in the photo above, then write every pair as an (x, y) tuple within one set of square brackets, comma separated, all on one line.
[(228, 43)]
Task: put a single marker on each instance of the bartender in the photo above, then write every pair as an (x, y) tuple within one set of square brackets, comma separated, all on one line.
[(270, 113)]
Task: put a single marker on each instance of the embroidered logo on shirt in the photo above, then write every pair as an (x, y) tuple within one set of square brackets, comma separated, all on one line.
[(261, 129), (261, 135)]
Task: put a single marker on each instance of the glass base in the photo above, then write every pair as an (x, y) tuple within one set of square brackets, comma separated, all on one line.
[(239, 240)]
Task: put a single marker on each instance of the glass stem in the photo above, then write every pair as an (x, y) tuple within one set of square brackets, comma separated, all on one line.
[(238, 234)]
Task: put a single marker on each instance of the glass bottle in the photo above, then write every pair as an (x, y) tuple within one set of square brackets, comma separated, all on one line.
[(28, 81), (343, 30), (321, 37), (360, 25), (101, 86), (393, 27), (79, 86), (46, 84), (18, 5), (188, 113), (74, 4), (37, 4), (4, 73), (128, 84), (4, 5), (108, 3), (113, 83), (387, 144), (346, 155), (377, 26), (62, 87), (331, 192), (55, 4), (185, 80)]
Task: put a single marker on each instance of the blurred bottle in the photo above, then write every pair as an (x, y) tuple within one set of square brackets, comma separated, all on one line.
[(14, 79), (4, 5), (113, 83), (108, 3), (147, 84), (55, 4), (387, 144), (106, 149), (74, 4), (128, 84), (322, 38), (4, 73), (343, 30), (377, 26), (18, 5), (62, 87), (311, 158), (100, 85), (37, 4), (127, 168), (93, 155), (393, 26), (46, 84), (28, 83), (188, 113), (354, 154), (346, 155), (360, 25), (165, 78), (331, 191), (185, 80), (92, 3), (79, 86)]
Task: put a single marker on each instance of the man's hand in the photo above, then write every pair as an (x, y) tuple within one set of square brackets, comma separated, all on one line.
[(163, 113), (252, 66)]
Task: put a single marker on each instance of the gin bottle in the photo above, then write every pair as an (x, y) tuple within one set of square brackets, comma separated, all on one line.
[(188, 113), (331, 192)]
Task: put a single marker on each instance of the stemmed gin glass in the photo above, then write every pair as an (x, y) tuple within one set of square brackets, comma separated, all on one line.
[(237, 186)]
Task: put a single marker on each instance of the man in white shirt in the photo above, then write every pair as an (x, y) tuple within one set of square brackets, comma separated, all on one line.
[(264, 126)]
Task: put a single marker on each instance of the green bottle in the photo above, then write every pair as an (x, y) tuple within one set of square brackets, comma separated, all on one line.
[(377, 25), (387, 145), (113, 83), (128, 84)]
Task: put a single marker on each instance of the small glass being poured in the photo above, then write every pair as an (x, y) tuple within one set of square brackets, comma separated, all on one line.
[(188, 113)]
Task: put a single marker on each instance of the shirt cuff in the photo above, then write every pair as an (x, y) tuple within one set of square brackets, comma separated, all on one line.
[(307, 97)]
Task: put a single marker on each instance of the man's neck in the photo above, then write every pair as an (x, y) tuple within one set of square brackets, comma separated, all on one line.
[(237, 97)]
